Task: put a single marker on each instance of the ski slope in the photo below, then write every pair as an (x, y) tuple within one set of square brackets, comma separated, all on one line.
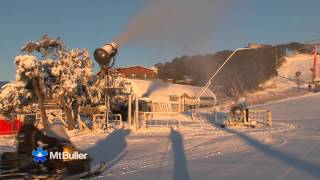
[(290, 150), (286, 78), (285, 84)]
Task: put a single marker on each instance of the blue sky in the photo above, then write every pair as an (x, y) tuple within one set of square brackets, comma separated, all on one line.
[(89, 24)]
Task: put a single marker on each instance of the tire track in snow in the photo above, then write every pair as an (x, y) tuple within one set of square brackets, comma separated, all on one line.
[(195, 149)]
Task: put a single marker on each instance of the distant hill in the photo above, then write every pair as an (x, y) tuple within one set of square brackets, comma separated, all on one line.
[(244, 72)]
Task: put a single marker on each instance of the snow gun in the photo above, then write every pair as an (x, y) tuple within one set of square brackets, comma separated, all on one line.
[(105, 56)]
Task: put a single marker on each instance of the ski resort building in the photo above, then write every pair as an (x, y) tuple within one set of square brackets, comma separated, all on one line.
[(139, 72), (159, 96)]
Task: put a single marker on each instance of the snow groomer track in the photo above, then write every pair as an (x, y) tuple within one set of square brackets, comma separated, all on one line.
[(152, 149)]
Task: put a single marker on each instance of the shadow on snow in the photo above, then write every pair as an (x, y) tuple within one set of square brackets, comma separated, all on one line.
[(180, 170), (112, 149), (298, 163)]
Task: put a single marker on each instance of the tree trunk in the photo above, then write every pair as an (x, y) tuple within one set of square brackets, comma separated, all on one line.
[(68, 111), (79, 118), (39, 94)]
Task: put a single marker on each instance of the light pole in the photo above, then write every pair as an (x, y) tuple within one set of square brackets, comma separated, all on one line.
[(214, 75)]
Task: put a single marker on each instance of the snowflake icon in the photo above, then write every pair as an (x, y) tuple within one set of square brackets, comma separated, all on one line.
[(40, 155)]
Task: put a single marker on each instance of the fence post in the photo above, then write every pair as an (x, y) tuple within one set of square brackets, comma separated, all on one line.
[(144, 120), (215, 109), (129, 110), (182, 104), (179, 109), (136, 113), (269, 118)]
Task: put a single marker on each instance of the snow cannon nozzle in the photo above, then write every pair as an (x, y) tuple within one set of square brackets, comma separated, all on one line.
[(105, 55)]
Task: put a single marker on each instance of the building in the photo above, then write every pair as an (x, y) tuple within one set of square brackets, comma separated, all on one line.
[(159, 96), (138, 72), (158, 88)]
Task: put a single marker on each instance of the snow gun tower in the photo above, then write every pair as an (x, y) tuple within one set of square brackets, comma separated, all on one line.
[(106, 56)]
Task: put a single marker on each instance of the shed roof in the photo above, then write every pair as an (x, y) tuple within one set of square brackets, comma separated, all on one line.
[(144, 88)]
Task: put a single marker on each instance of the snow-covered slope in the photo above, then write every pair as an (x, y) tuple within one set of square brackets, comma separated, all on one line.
[(294, 63), (285, 84)]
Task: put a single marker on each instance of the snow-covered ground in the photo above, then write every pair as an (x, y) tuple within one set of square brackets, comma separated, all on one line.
[(289, 150), (128, 152), (284, 85)]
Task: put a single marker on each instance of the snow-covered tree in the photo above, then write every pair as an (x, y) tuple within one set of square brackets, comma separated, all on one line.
[(18, 93), (69, 81), (66, 80)]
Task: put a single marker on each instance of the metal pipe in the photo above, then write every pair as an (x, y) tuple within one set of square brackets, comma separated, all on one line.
[(214, 75)]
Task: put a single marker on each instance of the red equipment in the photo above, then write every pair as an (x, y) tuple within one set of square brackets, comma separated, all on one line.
[(9, 127), (316, 65)]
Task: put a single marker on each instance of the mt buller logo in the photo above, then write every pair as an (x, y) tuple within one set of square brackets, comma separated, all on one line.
[(40, 155)]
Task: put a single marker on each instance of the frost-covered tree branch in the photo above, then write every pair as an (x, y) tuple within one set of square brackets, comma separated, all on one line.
[(66, 80)]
